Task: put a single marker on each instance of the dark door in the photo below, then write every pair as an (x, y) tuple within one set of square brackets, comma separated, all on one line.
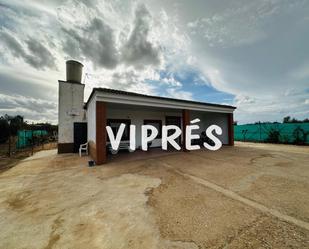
[(80, 135), (171, 120)]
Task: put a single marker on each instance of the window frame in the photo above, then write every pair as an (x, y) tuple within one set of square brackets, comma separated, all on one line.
[(127, 122), (159, 121)]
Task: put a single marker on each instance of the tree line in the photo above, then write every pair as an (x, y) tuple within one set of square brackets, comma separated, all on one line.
[(287, 119), (10, 125)]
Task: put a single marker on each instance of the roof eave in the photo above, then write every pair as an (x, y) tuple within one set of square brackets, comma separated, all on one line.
[(123, 93)]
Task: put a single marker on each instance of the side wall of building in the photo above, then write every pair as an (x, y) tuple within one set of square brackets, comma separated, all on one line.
[(70, 110), (91, 127)]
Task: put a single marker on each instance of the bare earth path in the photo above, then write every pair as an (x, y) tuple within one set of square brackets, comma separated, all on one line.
[(249, 196)]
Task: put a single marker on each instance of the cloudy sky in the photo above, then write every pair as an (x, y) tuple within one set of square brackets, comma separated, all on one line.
[(251, 54)]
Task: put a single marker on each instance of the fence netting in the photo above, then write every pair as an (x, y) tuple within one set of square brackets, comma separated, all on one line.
[(290, 133), (25, 138)]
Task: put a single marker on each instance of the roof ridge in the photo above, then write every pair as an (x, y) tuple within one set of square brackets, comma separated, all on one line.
[(116, 91)]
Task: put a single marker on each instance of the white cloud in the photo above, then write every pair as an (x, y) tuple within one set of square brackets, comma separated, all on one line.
[(170, 81), (179, 94), (242, 48), (241, 24), (31, 108), (271, 107), (123, 78), (301, 72), (241, 99), (138, 50)]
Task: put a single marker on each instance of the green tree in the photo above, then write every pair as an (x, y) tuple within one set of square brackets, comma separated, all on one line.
[(273, 136), (4, 130), (287, 119), (306, 120), (9, 125), (300, 135)]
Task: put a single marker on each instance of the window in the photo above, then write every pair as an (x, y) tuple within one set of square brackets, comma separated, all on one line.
[(115, 124), (155, 123)]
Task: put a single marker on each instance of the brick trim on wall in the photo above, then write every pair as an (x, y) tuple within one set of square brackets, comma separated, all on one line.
[(231, 128), (101, 154), (92, 150), (65, 148), (185, 122)]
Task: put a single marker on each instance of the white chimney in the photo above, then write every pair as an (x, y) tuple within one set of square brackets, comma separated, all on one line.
[(70, 105)]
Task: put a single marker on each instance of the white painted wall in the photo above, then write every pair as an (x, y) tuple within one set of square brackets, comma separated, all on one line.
[(210, 118), (91, 120), (71, 102), (137, 118)]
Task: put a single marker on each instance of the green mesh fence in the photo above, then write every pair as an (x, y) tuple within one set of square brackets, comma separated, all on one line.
[(24, 137), (293, 133)]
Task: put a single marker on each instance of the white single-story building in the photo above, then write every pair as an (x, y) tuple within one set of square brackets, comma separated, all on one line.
[(81, 122)]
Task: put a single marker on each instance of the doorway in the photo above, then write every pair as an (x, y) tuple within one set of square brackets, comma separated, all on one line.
[(80, 135)]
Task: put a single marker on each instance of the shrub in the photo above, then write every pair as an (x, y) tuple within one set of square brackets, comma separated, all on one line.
[(299, 136), (273, 136)]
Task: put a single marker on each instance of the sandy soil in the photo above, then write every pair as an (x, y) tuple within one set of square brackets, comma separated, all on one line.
[(42, 154), (242, 197), (18, 155)]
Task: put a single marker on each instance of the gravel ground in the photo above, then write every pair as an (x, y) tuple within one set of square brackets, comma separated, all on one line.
[(247, 196)]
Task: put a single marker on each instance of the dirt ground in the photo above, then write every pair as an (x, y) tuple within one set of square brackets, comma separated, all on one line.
[(7, 162), (246, 196)]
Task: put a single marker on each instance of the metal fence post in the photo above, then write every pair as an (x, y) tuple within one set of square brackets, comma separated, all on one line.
[(9, 122), (32, 139), (260, 131)]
